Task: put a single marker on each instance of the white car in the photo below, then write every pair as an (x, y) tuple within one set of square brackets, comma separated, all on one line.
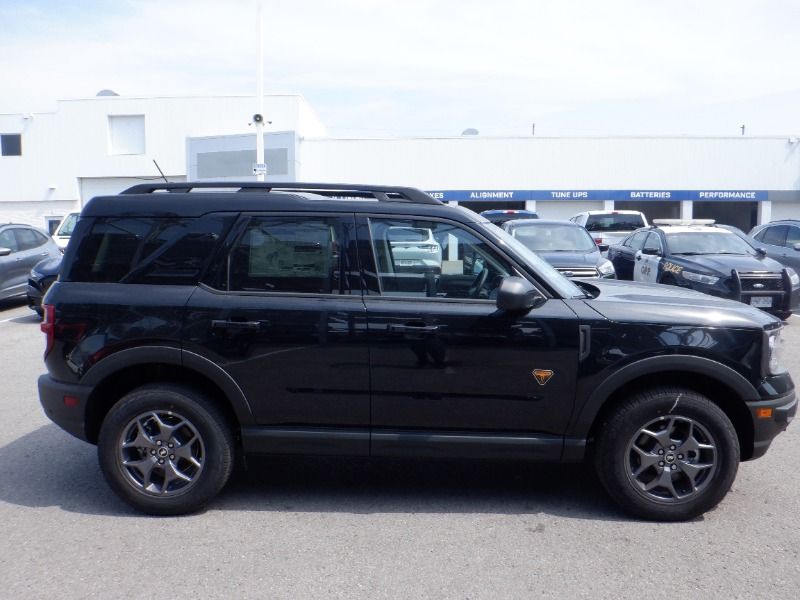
[(415, 249), (64, 231), (609, 227)]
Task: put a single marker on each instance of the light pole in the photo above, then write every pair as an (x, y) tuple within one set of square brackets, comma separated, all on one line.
[(260, 168)]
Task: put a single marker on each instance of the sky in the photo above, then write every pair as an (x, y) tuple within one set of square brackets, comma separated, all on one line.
[(429, 67)]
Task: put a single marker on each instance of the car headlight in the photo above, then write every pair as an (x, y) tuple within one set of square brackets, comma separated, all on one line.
[(774, 348), (793, 277), (607, 268), (698, 278)]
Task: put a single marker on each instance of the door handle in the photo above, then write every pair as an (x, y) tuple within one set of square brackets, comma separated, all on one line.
[(639, 257), (413, 328), (238, 325)]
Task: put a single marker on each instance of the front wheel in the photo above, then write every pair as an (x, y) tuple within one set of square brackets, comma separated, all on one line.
[(165, 449), (667, 454)]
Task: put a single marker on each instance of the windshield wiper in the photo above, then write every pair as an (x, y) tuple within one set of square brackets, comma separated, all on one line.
[(688, 253)]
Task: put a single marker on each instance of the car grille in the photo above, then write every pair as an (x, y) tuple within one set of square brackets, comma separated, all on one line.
[(761, 282), (578, 271)]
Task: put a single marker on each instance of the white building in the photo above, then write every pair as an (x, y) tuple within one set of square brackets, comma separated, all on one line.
[(104, 144)]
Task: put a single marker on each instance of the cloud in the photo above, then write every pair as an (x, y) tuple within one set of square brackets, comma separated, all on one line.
[(418, 66)]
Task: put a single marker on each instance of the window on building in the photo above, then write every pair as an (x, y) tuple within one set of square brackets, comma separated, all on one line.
[(10, 144), (126, 134)]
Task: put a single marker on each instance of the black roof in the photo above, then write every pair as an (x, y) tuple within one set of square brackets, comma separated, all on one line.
[(193, 199)]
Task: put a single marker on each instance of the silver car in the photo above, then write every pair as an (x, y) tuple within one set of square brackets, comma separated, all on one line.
[(415, 249), (21, 247)]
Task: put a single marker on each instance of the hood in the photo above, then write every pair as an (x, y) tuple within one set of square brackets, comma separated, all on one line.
[(629, 301), (48, 266), (723, 263), (571, 259)]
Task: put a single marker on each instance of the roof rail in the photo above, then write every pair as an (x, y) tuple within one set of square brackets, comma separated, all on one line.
[(381, 193), (686, 222)]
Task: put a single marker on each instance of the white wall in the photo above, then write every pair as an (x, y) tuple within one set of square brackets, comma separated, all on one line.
[(784, 210), (62, 149), (556, 163), (564, 210)]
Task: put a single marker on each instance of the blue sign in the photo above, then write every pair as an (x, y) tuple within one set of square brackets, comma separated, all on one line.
[(599, 195)]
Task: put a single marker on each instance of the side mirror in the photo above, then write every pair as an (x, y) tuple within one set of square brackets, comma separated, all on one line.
[(516, 293), (602, 247), (5, 251), (761, 251), (796, 247), (651, 251)]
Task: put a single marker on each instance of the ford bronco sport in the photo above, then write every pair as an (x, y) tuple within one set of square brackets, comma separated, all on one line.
[(192, 321)]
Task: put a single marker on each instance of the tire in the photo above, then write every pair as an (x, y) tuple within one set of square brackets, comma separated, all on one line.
[(669, 280), (165, 449), (639, 461)]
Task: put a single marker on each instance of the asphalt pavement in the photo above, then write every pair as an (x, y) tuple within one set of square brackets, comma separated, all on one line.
[(323, 528)]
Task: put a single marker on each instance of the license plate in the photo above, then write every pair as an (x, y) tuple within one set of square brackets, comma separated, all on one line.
[(761, 301)]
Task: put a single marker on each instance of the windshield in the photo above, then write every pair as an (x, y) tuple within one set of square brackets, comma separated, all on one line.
[(614, 222), (700, 242), (561, 284), (555, 238), (67, 225)]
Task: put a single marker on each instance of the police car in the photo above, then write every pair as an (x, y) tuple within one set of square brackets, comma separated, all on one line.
[(699, 255)]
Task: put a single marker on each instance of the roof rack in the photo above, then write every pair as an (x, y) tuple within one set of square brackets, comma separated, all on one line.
[(683, 221), (381, 193)]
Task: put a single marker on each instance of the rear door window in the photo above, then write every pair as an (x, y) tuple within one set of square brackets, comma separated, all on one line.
[(293, 254), (28, 239), (653, 242), (775, 236)]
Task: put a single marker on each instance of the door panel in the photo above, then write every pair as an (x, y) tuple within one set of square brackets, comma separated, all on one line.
[(444, 359), (290, 329), (465, 365)]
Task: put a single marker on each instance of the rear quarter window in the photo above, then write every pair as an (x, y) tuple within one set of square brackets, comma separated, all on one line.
[(149, 250)]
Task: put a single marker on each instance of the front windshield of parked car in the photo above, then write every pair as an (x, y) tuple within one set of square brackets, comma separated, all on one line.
[(561, 284), (68, 225), (614, 222), (700, 242), (555, 238)]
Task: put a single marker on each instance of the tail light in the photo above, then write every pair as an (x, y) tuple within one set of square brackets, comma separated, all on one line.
[(48, 326), (598, 240)]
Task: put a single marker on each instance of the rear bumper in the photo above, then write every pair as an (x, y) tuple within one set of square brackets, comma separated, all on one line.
[(765, 429), (69, 415)]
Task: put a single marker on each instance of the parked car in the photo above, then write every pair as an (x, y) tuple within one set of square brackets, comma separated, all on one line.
[(415, 249), (498, 217), (610, 226), (64, 229), (780, 240), (21, 247), (697, 254), (189, 326), (566, 246), (41, 277)]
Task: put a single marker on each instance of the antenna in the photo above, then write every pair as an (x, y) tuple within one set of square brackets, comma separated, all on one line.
[(160, 171)]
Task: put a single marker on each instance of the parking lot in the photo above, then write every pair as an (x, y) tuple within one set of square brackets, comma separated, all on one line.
[(291, 528)]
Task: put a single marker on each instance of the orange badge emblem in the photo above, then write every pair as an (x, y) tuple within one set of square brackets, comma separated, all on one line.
[(542, 375)]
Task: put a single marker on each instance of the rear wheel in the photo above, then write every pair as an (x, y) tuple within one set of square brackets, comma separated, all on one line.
[(667, 454), (165, 449), (668, 279)]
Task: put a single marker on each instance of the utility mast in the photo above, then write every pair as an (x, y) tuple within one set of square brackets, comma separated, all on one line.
[(260, 168)]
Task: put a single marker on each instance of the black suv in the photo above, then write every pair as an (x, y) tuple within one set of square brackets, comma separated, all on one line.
[(192, 322)]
